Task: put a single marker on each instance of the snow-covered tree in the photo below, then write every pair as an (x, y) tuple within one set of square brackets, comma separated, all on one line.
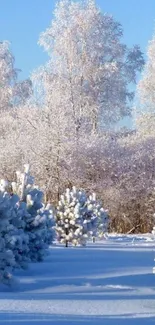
[(79, 217), (38, 218), (26, 225), (90, 64), (95, 217), (69, 221)]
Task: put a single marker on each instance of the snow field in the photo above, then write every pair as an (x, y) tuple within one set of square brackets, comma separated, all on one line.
[(109, 282)]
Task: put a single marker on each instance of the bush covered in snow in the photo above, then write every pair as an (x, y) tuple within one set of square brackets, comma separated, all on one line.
[(38, 218), (26, 224), (79, 217), (95, 217)]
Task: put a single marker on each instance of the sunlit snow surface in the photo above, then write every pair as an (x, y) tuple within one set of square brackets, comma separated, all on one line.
[(109, 282)]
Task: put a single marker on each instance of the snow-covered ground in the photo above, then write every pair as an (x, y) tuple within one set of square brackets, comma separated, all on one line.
[(109, 282)]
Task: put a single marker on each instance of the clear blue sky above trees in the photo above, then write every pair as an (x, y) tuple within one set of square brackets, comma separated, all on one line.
[(22, 21)]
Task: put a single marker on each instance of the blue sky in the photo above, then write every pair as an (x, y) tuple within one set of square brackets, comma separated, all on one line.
[(21, 22)]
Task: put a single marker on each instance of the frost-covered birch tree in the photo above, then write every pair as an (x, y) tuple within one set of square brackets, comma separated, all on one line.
[(91, 64)]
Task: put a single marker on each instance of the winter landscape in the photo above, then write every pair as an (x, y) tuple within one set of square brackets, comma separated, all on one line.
[(77, 163)]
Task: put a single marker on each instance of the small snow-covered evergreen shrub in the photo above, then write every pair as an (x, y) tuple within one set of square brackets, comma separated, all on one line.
[(95, 217), (69, 221), (38, 218), (79, 217), (26, 224)]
